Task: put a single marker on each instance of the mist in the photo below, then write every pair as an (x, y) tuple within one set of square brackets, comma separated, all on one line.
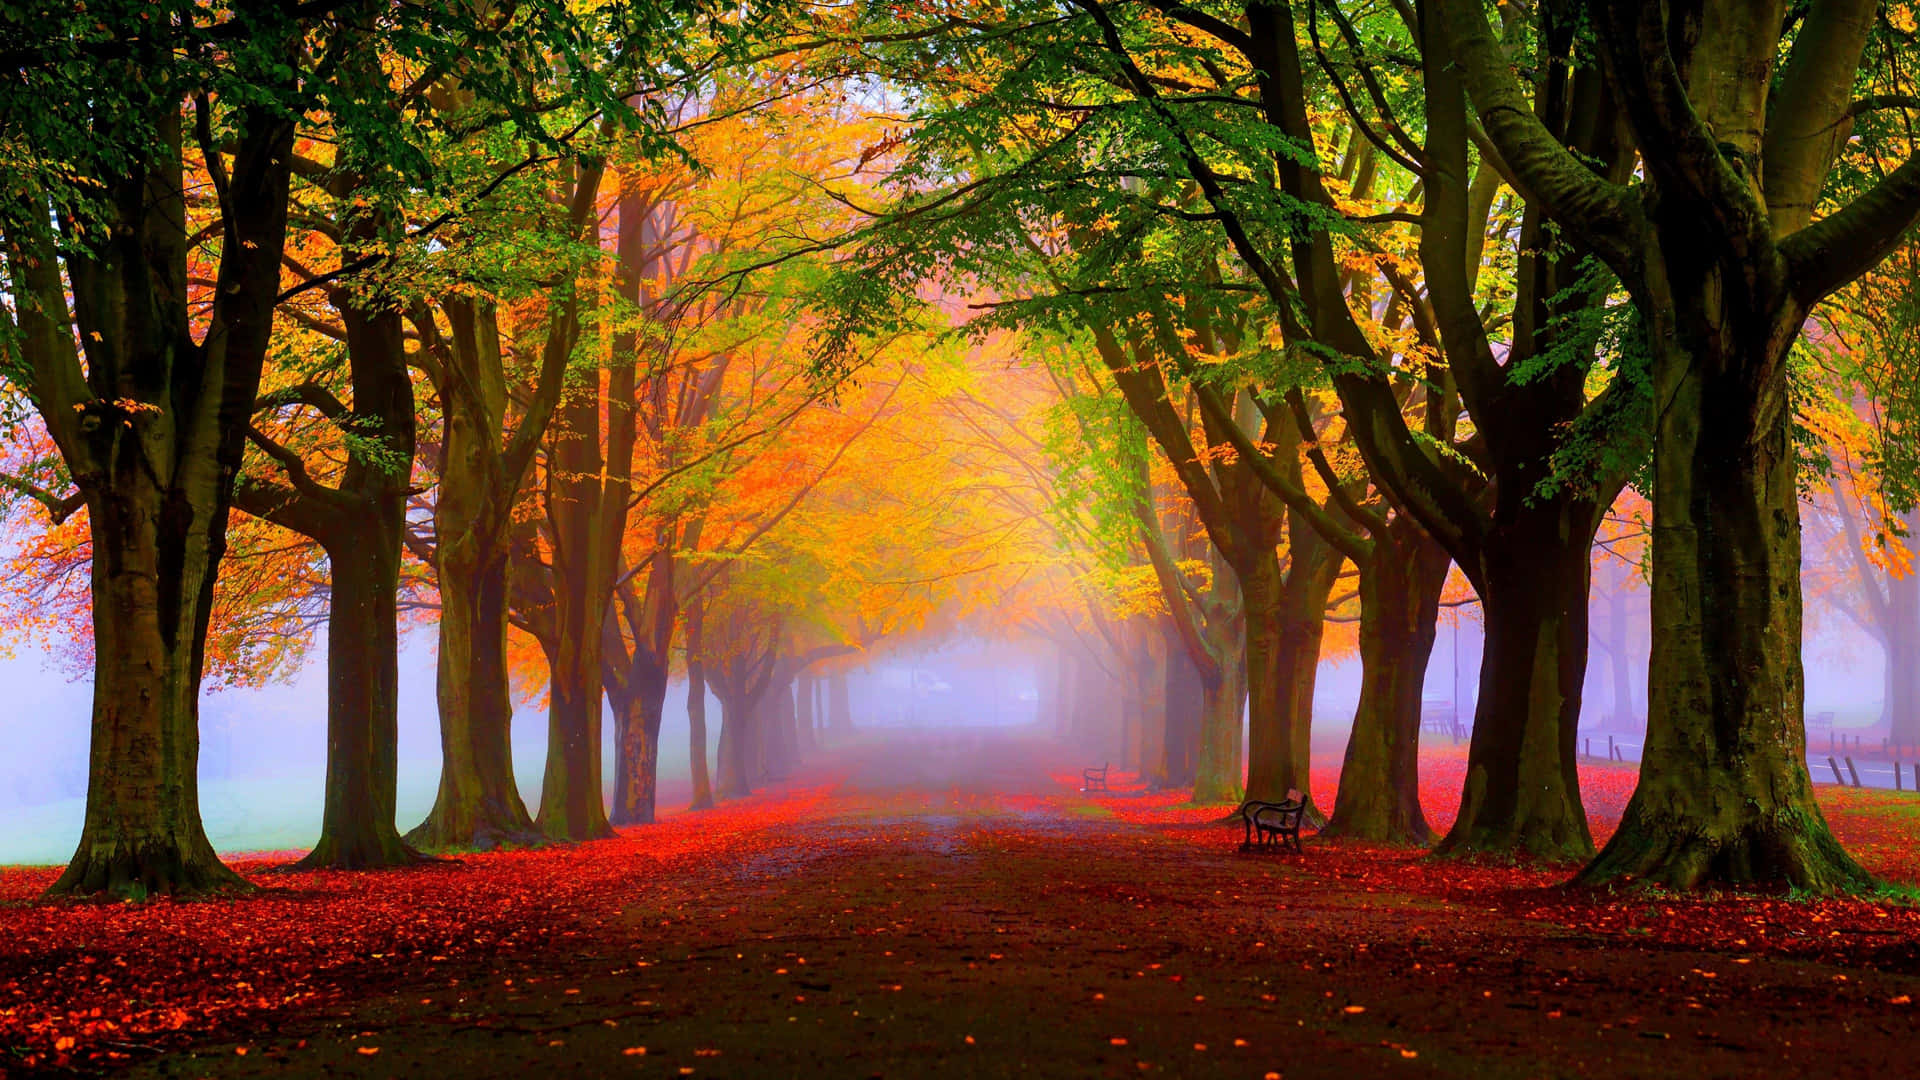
[(263, 749)]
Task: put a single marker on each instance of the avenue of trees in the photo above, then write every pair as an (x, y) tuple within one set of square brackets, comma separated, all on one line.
[(635, 344)]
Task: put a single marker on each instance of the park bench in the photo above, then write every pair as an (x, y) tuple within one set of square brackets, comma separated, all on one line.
[(1094, 779), (1272, 825)]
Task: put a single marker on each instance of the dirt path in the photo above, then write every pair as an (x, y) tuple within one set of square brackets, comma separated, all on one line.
[(949, 913)]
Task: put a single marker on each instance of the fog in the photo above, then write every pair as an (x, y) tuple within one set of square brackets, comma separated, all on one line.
[(263, 752)]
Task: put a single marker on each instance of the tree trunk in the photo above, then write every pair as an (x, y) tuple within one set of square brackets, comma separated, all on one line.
[(1379, 793), (1522, 789), (363, 525), (781, 747), (1286, 618), (571, 805), (1902, 644), (357, 828), (740, 739), (1217, 769), (839, 708), (1625, 715), (142, 833), (803, 701), (637, 735), (588, 495), (641, 678), (1185, 703), (1152, 680), (153, 432), (1724, 795), (697, 715), (478, 807)]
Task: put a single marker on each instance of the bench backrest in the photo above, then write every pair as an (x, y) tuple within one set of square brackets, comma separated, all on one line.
[(1281, 815)]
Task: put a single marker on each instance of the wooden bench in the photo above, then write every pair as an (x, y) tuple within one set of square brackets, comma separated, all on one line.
[(1270, 826), (1094, 779)]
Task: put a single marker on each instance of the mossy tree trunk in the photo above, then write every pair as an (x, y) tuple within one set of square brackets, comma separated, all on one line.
[(588, 493), (1400, 586), (482, 467), (152, 431), (1720, 251), (1286, 619), (1523, 785), (357, 829), (1724, 795), (1218, 771)]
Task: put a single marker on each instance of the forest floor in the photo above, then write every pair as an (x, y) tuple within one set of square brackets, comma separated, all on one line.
[(935, 906)]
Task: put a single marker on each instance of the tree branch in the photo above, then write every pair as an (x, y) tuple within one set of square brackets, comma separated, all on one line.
[(296, 469), (1840, 247), (59, 507), (1605, 215)]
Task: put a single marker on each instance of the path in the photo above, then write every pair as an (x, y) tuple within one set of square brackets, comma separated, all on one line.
[(947, 911)]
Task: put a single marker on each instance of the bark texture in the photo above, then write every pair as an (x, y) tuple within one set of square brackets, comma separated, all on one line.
[(1379, 794), (1286, 619), (152, 433)]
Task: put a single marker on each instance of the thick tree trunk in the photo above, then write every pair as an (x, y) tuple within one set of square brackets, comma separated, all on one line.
[(357, 828), (1152, 681), (740, 749), (479, 806), (587, 502), (638, 687), (1286, 618), (1522, 790), (1218, 770), (571, 805), (153, 433), (1379, 794), (1724, 795), (142, 833), (363, 525)]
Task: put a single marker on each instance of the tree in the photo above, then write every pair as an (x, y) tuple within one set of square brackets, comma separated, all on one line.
[(360, 521), (1719, 247), (152, 425)]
